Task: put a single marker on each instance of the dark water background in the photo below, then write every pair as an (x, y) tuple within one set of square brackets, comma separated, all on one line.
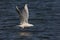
[(44, 14)]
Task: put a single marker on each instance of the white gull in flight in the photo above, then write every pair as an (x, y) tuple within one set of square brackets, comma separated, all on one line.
[(24, 16)]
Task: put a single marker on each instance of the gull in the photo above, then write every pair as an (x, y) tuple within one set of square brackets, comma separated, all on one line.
[(24, 16)]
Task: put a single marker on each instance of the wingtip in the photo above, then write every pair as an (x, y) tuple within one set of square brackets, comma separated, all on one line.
[(17, 7), (26, 4)]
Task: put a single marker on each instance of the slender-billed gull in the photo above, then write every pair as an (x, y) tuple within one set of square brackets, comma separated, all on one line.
[(24, 16)]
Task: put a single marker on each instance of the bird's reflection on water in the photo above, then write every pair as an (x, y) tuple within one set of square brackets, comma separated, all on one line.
[(32, 35), (25, 33)]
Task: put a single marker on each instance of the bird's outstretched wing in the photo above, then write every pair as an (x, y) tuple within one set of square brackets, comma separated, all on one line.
[(20, 15), (18, 10), (24, 15)]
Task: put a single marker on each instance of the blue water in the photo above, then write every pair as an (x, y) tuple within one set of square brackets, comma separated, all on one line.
[(44, 15)]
